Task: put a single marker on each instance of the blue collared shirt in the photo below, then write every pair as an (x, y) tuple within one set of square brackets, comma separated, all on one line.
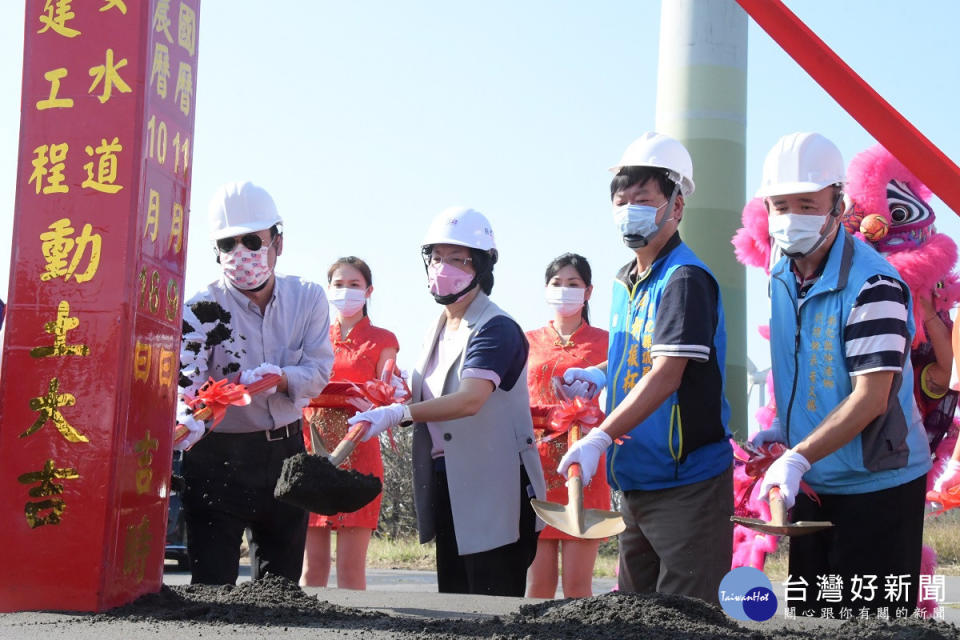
[(225, 333)]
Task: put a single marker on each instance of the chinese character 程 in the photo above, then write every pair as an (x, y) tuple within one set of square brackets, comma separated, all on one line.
[(141, 361), (136, 548), (161, 68), (932, 588), (187, 29), (52, 101), (57, 243), (184, 87), (176, 229), (859, 584), (106, 177), (795, 589), (161, 19), (48, 406), (47, 489), (895, 587), (108, 74), (114, 4), (59, 328), (54, 155), (153, 215), (830, 588), (56, 18), (145, 448)]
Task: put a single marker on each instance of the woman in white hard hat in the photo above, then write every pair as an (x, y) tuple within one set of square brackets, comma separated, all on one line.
[(475, 464), (360, 352), (566, 341)]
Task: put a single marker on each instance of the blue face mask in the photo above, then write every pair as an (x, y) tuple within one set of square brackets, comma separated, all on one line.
[(637, 223)]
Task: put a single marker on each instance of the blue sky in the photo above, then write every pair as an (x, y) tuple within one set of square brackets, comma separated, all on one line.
[(364, 120)]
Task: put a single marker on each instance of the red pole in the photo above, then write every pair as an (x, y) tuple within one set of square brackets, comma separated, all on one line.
[(858, 98)]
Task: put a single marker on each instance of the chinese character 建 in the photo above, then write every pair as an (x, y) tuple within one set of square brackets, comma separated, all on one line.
[(56, 18)]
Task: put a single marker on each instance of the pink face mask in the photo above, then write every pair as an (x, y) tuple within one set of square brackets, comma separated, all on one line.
[(445, 279), (244, 268)]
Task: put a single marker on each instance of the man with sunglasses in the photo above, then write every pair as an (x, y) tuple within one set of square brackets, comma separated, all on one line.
[(254, 322)]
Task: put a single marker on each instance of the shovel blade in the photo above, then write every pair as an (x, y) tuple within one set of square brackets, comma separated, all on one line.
[(793, 529), (597, 523)]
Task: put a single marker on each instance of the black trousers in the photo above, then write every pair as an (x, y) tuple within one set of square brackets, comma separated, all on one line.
[(874, 535), (497, 572), (229, 481)]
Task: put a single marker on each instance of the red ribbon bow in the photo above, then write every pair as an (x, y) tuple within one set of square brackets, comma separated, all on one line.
[(217, 395), (377, 393), (568, 413), (949, 499), (757, 464)]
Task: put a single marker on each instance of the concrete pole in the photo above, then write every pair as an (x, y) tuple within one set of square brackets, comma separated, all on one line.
[(702, 101)]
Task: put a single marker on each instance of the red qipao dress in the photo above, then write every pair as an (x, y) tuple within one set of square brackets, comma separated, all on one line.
[(355, 359), (550, 357)]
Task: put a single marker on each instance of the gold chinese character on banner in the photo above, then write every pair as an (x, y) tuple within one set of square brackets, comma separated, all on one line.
[(48, 406), (184, 87), (57, 243), (153, 216), (141, 361), (114, 4), (48, 489), (176, 229), (108, 74), (187, 29), (169, 361), (106, 176), (59, 329), (49, 179), (136, 548), (630, 380), (632, 357), (52, 101), (161, 19), (145, 448), (55, 16), (160, 69)]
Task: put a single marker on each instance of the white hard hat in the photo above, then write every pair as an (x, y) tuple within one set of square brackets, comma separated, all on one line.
[(801, 163), (461, 226), (656, 150), (241, 207)]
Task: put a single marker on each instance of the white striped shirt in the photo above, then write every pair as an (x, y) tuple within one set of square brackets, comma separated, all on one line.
[(875, 335)]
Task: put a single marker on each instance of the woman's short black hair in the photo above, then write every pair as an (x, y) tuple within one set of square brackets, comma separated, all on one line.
[(483, 262), (581, 266), (629, 176)]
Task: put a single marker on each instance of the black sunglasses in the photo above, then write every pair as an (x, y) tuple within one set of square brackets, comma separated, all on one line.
[(250, 241)]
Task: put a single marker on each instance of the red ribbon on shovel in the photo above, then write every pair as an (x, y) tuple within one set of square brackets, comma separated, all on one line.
[(757, 464), (568, 413), (949, 499), (215, 396)]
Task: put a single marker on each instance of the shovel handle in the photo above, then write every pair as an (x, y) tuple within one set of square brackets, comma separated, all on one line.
[(180, 431), (349, 443), (573, 435), (778, 510)]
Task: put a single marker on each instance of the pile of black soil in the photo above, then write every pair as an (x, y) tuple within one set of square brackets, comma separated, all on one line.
[(903, 629), (271, 601), (312, 483)]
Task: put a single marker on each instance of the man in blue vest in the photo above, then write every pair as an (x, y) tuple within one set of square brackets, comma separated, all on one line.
[(840, 332), (664, 381)]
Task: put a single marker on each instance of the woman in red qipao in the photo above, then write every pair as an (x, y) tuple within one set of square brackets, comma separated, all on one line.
[(360, 353), (567, 341)]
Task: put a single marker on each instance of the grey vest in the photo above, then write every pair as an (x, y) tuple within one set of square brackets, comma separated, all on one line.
[(483, 452)]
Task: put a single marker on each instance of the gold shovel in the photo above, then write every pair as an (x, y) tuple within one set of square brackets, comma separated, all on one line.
[(572, 518), (778, 525)]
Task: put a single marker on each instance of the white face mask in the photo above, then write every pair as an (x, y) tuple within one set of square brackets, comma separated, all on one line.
[(244, 268), (796, 234), (347, 301), (565, 301)]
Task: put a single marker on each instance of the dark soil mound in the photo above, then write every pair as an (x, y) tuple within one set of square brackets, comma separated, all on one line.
[(904, 629), (270, 601), (312, 483)]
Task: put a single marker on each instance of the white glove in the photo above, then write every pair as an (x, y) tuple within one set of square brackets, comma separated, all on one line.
[(949, 478), (380, 419), (774, 433), (197, 429), (785, 472), (591, 380), (253, 375), (586, 451), (399, 385)]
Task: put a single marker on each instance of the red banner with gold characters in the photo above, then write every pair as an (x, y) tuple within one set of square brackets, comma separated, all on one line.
[(89, 374)]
